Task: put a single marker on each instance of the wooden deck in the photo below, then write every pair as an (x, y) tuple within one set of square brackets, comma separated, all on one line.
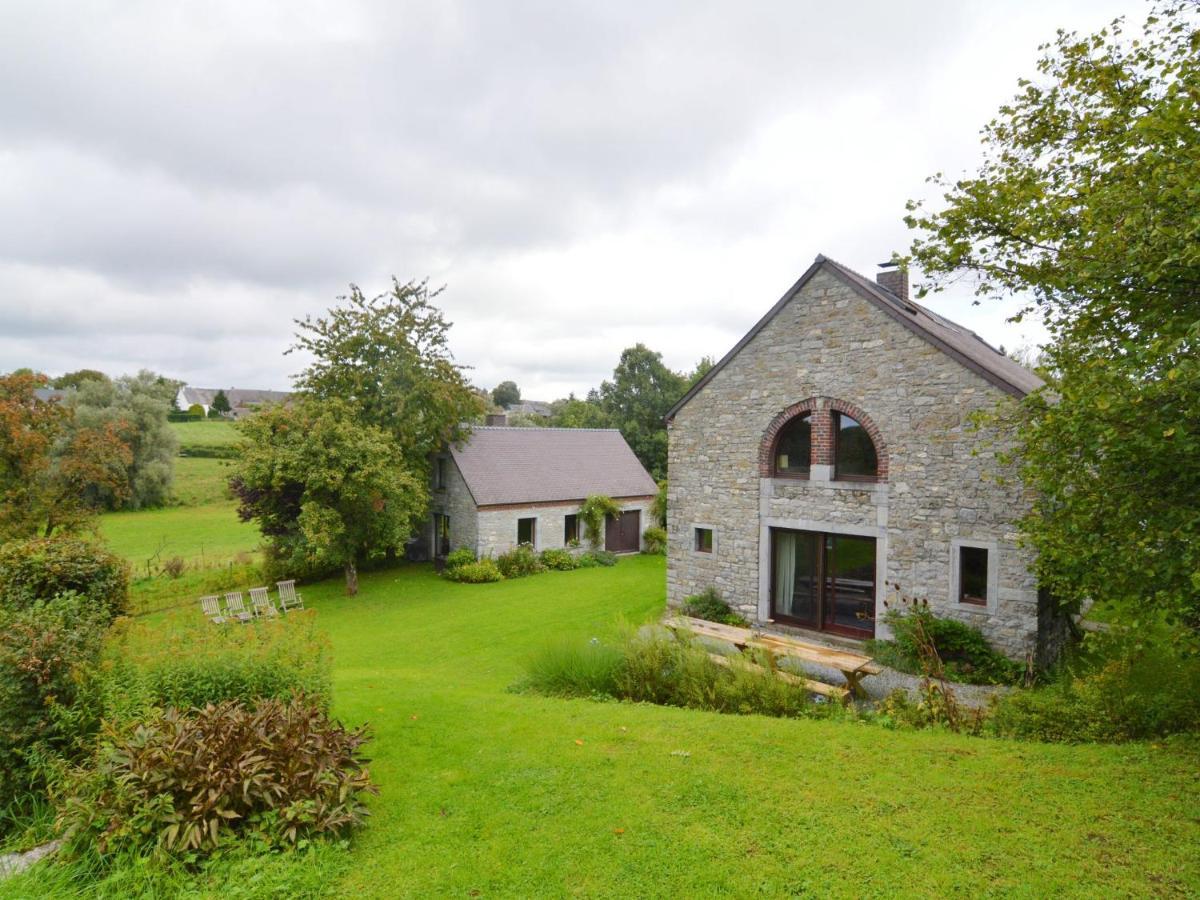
[(853, 666)]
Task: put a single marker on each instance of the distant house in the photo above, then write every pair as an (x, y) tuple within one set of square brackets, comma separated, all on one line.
[(242, 401), (537, 408), (48, 394), (831, 456), (507, 486)]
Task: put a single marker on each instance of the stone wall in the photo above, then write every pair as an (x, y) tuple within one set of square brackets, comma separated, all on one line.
[(455, 501), (835, 349), (498, 525)]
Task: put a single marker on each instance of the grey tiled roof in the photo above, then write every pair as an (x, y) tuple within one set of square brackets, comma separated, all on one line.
[(235, 396), (545, 465), (957, 342)]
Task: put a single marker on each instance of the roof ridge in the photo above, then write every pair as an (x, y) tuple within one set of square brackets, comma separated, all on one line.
[(532, 428), (945, 334)]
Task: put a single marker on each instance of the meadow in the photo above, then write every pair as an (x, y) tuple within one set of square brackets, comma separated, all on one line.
[(201, 526), (491, 792)]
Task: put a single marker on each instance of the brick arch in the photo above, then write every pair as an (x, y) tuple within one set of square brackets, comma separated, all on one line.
[(821, 409), (766, 449)]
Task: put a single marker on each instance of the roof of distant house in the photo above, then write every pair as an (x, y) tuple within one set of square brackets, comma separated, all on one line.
[(235, 396), (531, 408), (954, 340), (45, 394), (546, 465)]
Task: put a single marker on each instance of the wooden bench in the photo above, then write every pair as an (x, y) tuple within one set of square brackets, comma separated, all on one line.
[(853, 666)]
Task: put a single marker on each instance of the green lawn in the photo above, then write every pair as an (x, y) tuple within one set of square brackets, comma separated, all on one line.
[(200, 481), (208, 535), (203, 530), (491, 793), (204, 435)]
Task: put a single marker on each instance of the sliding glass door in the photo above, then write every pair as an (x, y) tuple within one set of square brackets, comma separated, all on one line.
[(823, 581)]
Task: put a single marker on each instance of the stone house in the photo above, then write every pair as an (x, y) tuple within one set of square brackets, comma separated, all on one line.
[(506, 486), (828, 458)]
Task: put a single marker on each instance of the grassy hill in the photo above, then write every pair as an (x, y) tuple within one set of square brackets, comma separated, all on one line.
[(491, 793), (209, 438)]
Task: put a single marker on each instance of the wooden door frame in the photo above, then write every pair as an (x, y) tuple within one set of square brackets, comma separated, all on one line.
[(766, 585)]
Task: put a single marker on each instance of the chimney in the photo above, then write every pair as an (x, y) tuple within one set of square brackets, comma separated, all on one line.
[(894, 279), (497, 420)]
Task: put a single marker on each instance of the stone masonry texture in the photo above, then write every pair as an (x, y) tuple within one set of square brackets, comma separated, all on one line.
[(830, 349)]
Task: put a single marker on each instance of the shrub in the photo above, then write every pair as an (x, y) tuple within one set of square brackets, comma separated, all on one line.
[(964, 651), (592, 558), (653, 669), (43, 568), (655, 540), (145, 666), (47, 703), (190, 783), (1126, 686), (460, 557), (173, 567), (521, 560), (481, 572), (556, 558), (711, 606)]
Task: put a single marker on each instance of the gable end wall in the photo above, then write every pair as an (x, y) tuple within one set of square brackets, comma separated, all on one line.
[(830, 343)]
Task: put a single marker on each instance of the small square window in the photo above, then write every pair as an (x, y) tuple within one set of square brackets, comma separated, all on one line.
[(526, 531), (570, 529), (973, 575), (704, 540)]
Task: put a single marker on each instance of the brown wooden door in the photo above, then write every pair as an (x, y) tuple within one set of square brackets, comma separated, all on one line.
[(622, 534)]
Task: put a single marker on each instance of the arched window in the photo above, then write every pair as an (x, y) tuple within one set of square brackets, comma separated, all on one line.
[(854, 453), (793, 447)]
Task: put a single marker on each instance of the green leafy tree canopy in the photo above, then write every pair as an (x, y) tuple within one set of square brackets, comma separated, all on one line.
[(328, 490), (506, 394), (1087, 204)]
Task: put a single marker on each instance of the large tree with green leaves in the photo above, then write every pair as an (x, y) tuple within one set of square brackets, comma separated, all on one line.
[(388, 358), (326, 489), (137, 406), (1087, 203), (506, 394), (641, 392)]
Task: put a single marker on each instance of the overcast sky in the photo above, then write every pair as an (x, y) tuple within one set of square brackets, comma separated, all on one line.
[(178, 181)]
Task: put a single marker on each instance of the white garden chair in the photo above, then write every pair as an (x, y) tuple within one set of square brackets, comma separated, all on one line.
[(289, 599), (235, 607), (260, 602), (211, 605)]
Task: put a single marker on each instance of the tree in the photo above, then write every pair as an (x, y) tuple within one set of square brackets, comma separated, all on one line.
[(1086, 203), (643, 389), (75, 379), (52, 471), (388, 357), (138, 406), (506, 394), (220, 403), (575, 413), (326, 489)]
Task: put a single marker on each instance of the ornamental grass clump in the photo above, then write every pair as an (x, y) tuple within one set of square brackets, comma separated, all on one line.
[(186, 784), (654, 669)]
